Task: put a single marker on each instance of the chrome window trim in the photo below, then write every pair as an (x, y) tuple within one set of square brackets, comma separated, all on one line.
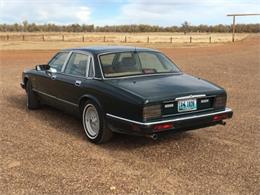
[(87, 67), (93, 66), (132, 76), (64, 61), (54, 97), (169, 120)]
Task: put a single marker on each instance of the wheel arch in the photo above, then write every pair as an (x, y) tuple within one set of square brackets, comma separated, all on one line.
[(87, 97), (25, 80)]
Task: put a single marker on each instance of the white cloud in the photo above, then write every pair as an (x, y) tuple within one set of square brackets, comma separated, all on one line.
[(114, 12), (174, 12), (40, 11)]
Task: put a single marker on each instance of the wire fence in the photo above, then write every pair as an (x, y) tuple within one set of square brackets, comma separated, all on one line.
[(118, 38)]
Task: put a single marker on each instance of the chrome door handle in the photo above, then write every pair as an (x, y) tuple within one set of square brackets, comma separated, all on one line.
[(77, 83), (53, 77)]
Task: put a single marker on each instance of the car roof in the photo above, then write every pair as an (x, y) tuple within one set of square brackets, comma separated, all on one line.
[(108, 49)]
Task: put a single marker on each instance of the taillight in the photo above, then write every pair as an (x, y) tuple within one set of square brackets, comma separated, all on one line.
[(220, 117), (164, 126), (150, 112), (220, 101)]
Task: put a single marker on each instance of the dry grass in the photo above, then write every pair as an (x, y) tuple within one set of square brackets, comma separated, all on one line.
[(156, 40), (61, 40)]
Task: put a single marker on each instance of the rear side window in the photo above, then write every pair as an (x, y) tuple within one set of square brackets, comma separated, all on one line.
[(58, 61), (107, 60), (77, 64)]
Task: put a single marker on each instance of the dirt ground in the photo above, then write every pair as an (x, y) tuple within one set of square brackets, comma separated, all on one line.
[(45, 151)]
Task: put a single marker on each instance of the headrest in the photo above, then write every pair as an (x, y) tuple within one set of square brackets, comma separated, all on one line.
[(82, 66), (128, 61)]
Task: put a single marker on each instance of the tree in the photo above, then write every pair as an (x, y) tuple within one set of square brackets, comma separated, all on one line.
[(185, 27)]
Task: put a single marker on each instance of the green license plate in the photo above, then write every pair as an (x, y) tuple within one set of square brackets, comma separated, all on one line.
[(187, 105)]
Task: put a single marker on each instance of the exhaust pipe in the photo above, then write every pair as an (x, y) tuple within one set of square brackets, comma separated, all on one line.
[(153, 136), (223, 123)]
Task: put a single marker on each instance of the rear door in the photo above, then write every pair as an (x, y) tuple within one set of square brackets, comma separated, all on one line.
[(70, 81)]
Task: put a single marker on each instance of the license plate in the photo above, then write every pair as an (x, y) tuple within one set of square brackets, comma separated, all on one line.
[(187, 105)]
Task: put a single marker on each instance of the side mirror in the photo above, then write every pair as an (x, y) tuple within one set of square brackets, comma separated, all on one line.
[(42, 67), (51, 71)]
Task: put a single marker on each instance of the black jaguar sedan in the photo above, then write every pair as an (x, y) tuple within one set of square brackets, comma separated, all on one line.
[(129, 90)]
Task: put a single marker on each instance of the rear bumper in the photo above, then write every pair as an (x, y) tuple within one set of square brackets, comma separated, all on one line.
[(190, 122)]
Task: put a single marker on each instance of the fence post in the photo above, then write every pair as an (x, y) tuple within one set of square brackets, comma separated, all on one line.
[(210, 39), (63, 38), (171, 40), (23, 38), (190, 39), (83, 39), (104, 38), (7, 37), (125, 39), (148, 39), (43, 39)]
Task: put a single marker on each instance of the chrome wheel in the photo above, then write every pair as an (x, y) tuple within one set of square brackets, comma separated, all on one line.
[(91, 121)]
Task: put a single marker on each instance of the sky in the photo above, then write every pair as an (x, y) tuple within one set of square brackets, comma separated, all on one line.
[(117, 12)]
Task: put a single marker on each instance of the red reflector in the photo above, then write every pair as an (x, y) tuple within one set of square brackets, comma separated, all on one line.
[(220, 117), (164, 126)]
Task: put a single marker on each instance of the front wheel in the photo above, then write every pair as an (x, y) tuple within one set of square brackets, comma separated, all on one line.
[(94, 123), (32, 98)]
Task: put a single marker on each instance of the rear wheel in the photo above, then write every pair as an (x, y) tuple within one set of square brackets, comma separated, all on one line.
[(32, 98), (94, 123)]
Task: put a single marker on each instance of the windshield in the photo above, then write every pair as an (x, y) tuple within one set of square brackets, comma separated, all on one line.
[(136, 63)]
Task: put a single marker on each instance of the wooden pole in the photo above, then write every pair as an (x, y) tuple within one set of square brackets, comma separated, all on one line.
[(63, 38), (43, 38), (125, 39), (210, 39), (83, 39), (104, 38), (190, 39), (234, 28), (148, 39), (171, 39), (234, 22), (23, 38), (7, 37)]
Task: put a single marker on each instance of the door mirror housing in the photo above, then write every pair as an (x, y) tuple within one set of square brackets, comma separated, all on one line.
[(41, 67)]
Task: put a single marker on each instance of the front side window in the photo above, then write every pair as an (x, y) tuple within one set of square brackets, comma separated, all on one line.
[(77, 65), (58, 61), (136, 63)]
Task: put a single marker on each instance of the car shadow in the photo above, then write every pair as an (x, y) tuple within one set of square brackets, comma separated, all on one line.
[(70, 124), (129, 142)]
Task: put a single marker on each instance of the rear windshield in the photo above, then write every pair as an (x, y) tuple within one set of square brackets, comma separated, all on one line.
[(136, 63)]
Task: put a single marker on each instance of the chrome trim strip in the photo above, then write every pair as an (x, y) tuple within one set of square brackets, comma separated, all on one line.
[(51, 96), (169, 120), (190, 97)]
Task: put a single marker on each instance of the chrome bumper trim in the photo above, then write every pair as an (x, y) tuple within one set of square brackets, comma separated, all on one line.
[(170, 120)]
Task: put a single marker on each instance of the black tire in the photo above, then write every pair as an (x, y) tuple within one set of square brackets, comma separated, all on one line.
[(104, 134), (32, 98)]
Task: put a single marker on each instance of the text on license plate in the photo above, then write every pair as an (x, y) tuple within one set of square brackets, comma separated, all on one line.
[(187, 105)]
